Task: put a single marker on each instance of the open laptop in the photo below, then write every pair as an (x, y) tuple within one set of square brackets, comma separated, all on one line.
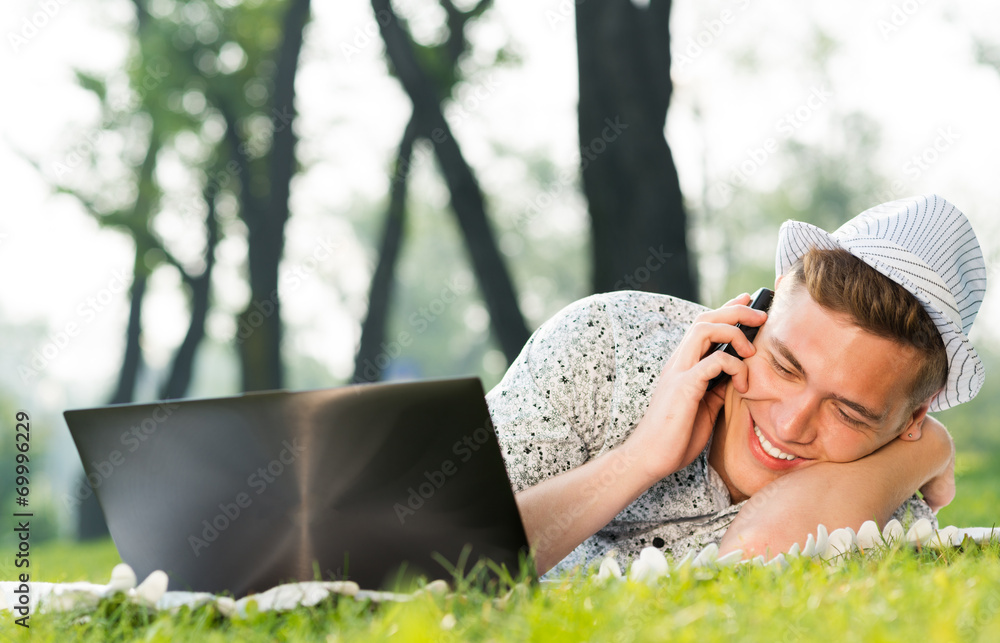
[(367, 483)]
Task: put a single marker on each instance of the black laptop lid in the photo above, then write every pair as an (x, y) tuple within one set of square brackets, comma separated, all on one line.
[(240, 494)]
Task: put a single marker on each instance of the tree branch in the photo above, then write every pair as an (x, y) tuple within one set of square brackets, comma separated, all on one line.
[(466, 197)]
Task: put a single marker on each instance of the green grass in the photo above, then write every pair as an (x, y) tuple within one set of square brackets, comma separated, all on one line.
[(900, 595), (977, 503), (64, 561)]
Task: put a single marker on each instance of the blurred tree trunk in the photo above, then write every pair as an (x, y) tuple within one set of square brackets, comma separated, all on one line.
[(637, 214), (466, 198), (264, 209), (367, 365), (132, 358), (200, 285)]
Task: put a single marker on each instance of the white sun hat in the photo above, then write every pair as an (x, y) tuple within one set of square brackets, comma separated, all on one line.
[(925, 244)]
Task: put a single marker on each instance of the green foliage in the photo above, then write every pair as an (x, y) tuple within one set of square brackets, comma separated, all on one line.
[(436, 63), (92, 83), (192, 67), (822, 186)]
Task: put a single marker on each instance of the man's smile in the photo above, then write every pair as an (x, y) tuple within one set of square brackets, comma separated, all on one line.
[(769, 448), (769, 455)]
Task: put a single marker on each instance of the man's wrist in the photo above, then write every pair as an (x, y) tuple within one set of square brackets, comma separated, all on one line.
[(936, 439)]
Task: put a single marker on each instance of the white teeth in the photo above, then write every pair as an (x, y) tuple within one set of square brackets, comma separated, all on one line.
[(770, 449)]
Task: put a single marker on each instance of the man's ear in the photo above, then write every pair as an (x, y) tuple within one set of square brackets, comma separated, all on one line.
[(777, 281), (911, 429)]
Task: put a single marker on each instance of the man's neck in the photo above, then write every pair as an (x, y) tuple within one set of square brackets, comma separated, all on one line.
[(716, 460)]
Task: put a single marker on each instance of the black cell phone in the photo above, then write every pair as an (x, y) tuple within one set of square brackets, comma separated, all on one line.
[(760, 300)]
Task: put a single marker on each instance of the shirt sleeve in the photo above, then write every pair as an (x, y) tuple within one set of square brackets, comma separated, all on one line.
[(913, 510), (552, 407)]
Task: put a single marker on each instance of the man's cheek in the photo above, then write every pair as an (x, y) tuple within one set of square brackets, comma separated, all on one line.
[(763, 382), (848, 448), (756, 375)]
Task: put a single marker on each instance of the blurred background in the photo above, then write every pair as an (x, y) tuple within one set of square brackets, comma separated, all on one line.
[(206, 198)]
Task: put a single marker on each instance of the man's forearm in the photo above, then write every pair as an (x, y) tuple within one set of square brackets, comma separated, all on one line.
[(561, 512), (837, 494)]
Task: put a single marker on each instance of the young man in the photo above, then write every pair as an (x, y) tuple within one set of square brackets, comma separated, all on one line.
[(613, 440)]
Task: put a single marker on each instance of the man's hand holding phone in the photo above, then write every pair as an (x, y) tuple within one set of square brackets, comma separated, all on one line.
[(760, 300), (683, 407)]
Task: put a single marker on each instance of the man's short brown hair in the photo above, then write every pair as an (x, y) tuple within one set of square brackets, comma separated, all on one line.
[(843, 283)]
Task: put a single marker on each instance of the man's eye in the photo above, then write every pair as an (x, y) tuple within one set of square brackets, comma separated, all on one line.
[(781, 369), (851, 420)]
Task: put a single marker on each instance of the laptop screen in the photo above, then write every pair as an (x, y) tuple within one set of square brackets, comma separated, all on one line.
[(240, 494)]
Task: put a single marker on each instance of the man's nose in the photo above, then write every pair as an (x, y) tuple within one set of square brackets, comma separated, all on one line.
[(795, 419)]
